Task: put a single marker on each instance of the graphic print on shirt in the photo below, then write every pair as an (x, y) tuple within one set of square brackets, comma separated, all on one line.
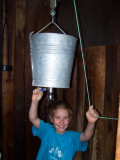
[(55, 153)]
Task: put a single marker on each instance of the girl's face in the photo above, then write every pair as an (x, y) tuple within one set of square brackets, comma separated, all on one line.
[(61, 120)]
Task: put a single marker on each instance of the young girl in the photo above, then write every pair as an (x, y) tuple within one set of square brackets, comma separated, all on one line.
[(57, 143)]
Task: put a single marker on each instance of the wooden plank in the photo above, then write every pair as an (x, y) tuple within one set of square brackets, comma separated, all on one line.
[(97, 92), (1, 24), (8, 115), (8, 92), (110, 102), (98, 98), (117, 155), (19, 79)]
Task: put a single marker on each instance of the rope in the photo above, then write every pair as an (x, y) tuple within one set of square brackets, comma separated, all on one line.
[(53, 4), (82, 52), (108, 118)]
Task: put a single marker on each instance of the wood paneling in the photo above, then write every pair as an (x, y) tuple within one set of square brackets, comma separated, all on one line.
[(7, 89), (1, 24), (102, 66), (19, 79)]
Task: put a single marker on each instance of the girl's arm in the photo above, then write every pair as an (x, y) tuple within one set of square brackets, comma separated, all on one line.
[(92, 116), (33, 112)]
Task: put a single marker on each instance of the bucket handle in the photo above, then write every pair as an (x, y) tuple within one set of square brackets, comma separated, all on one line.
[(49, 25)]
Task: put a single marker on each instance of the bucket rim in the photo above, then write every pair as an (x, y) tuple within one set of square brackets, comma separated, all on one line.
[(32, 34)]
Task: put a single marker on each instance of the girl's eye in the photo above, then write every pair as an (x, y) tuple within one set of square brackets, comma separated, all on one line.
[(66, 118), (57, 117)]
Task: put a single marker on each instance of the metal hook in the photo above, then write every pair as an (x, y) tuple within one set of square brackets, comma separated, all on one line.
[(53, 13), (49, 25)]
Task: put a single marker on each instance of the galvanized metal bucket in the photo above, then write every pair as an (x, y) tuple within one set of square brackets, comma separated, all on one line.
[(52, 56)]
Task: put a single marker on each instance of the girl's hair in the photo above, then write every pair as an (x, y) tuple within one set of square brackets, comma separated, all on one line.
[(60, 104)]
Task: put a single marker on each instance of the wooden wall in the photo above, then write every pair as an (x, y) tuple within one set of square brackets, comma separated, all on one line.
[(1, 11), (102, 63)]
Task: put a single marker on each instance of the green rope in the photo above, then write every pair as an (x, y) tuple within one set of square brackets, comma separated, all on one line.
[(84, 61), (82, 53), (108, 118), (55, 3)]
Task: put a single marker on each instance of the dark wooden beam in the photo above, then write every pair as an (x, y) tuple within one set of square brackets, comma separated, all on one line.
[(19, 79)]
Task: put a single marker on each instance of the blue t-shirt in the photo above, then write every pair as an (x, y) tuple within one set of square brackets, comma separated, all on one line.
[(55, 146)]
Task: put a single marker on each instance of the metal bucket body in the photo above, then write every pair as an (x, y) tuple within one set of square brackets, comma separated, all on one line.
[(52, 56)]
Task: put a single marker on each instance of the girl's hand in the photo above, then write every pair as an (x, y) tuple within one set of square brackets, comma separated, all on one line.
[(37, 95), (92, 115)]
